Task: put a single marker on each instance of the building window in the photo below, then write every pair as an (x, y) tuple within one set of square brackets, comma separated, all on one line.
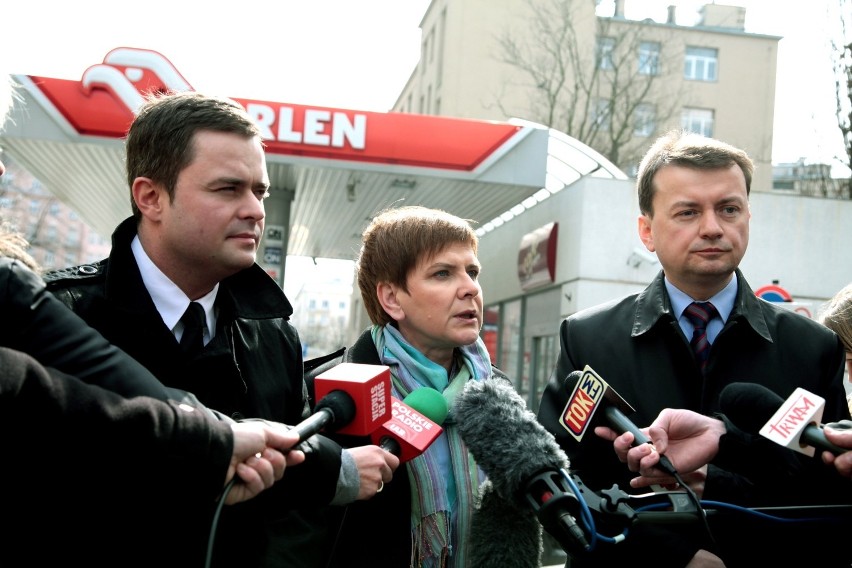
[(644, 120), (701, 64), (649, 58), (697, 120), (606, 46)]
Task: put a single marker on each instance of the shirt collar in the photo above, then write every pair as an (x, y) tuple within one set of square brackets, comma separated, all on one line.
[(168, 298), (723, 300)]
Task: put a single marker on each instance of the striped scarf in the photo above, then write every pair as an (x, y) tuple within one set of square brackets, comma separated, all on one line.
[(445, 478)]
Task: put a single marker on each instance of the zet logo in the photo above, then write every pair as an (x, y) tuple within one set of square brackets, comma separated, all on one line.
[(582, 403)]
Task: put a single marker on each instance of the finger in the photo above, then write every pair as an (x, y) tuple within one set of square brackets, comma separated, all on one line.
[(250, 478), (277, 460), (606, 433), (648, 480), (295, 457), (638, 457)]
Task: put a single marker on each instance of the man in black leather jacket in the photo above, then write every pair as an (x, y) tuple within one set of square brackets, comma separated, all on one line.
[(86, 468), (197, 177), (693, 197)]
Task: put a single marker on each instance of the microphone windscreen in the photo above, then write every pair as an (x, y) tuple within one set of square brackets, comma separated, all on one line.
[(342, 408), (748, 405), (428, 402), (502, 533), (504, 436)]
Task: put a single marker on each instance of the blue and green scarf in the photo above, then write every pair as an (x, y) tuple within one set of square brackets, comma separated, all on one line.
[(443, 486)]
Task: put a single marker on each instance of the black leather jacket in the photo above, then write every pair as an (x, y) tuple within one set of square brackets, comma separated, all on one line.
[(251, 369), (35, 322)]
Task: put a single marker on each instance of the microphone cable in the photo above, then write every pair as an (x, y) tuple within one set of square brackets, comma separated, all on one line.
[(211, 539)]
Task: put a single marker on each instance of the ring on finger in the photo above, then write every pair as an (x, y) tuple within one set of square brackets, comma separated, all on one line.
[(381, 486)]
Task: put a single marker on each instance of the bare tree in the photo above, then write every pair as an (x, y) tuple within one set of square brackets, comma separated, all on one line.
[(600, 80), (841, 48)]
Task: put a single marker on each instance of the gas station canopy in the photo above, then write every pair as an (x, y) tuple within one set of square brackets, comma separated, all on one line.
[(331, 170)]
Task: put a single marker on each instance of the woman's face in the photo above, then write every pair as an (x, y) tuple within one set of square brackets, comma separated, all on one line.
[(442, 308)]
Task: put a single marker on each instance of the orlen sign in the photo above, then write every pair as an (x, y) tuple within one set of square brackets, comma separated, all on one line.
[(104, 102)]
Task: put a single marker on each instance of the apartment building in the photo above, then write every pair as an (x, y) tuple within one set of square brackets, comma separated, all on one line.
[(616, 83), (58, 236)]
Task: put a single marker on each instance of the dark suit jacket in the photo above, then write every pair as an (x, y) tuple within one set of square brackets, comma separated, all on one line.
[(637, 346)]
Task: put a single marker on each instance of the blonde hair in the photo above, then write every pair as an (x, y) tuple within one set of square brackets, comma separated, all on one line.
[(837, 316), (14, 245)]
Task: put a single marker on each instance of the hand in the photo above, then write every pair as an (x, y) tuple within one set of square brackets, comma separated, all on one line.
[(690, 441), (375, 468), (843, 438), (261, 454)]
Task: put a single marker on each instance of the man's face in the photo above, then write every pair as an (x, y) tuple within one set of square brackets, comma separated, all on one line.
[(213, 226), (699, 228)]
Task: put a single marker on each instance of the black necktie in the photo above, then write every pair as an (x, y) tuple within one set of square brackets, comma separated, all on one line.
[(193, 320), (699, 313)]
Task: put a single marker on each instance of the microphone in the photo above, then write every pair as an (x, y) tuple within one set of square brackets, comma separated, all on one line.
[(523, 462), (591, 393), (355, 399), (793, 423), (414, 424)]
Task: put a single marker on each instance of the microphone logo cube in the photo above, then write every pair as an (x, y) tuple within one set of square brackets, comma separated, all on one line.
[(787, 424), (369, 387), (582, 404)]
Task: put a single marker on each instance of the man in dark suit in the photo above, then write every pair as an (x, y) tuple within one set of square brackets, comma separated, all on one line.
[(655, 351)]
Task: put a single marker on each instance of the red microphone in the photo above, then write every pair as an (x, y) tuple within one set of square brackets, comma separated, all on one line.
[(353, 399), (414, 424)]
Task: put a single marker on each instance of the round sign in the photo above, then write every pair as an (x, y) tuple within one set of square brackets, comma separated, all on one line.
[(773, 293)]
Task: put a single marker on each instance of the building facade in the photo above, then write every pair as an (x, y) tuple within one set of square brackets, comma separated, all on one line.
[(58, 237), (624, 82)]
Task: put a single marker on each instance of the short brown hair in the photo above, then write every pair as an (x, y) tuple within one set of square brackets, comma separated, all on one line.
[(689, 150), (159, 142), (395, 241)]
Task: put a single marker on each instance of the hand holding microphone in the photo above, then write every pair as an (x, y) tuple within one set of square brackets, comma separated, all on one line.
[(840, 434), (690, 441), (593, 403)]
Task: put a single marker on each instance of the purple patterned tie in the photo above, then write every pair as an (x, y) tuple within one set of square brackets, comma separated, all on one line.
[(699, 313)]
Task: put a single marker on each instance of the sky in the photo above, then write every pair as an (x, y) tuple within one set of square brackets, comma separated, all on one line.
[(358, 54)]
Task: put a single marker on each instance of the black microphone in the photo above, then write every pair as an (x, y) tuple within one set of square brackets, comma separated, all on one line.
[(524, 464), (355, 400), (792, 423), (590, 394), (334, 411)]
